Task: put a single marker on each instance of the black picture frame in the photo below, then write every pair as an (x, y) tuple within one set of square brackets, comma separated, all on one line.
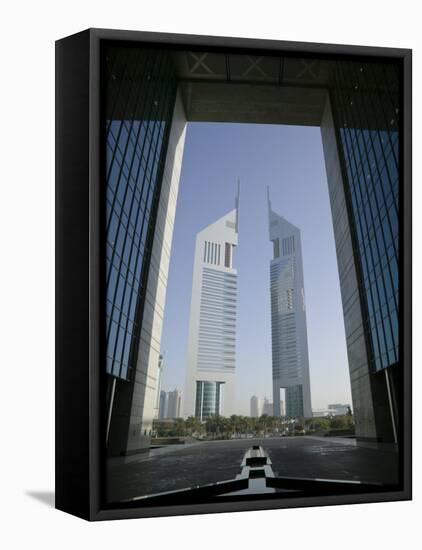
[(79, 237)]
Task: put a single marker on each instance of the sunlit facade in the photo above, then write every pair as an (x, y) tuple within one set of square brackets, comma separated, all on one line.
[(210, 373)]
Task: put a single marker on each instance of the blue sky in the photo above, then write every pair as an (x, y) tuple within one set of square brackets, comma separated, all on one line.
[(288, 159)]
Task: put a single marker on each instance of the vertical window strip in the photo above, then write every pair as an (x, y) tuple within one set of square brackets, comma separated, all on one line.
[(120, 305), (120, 173), (384, 325), (167, 99), (350, 158), (381, 335), (133, 205), (121, 251), (154, 152)]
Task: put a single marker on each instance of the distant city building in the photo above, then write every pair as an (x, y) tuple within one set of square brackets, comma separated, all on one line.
[(317, 413), (260, 406), (170, 404), (338, 409), (163, 406), (174, 402), (210, 373), (256, 406), (267, 407), (288, 319), (282, 409)]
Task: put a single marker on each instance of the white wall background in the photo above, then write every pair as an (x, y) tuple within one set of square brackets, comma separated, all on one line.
[(27, 273)]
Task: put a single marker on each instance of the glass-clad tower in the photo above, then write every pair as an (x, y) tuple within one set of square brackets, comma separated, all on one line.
[(362, 153), (288, 319), (370, 147), (144, 135), (210, 373)]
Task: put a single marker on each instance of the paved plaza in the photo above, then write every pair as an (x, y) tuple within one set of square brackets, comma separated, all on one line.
[(169, 469)]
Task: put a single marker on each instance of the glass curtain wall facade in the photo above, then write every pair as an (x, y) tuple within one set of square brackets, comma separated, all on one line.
[(294, 402), (365, 99), (208, 399), (139, 101), (369, 142), (289, 336)]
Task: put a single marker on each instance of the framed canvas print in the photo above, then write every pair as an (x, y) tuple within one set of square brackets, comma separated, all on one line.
[(233, 274)]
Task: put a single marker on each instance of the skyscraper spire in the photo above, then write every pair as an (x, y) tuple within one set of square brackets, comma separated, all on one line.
[(237, 205)]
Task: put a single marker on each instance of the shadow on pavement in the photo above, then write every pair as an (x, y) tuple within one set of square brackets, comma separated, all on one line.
[(45, 497)]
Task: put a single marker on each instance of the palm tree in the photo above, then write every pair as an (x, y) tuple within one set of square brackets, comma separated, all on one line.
[(234, 421), (263, 421), (193, 425), (179, 427), (271, 423), (226, 426), (211, 424), (244, 425)]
